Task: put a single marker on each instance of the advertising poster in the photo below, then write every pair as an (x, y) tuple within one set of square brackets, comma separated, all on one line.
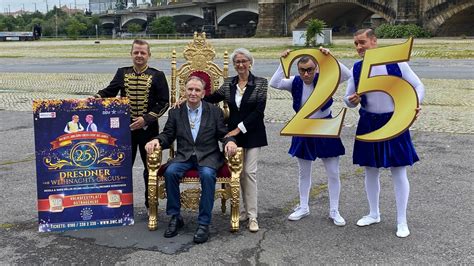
[(83, 163)]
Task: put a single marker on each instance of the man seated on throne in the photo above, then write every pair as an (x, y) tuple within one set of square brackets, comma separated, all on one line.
[(197, 127)]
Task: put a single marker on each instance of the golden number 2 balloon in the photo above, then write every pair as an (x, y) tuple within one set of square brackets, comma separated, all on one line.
[(329, 74)]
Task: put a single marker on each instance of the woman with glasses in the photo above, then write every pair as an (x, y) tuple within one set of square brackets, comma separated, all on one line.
[(246, 96), (308, 149)]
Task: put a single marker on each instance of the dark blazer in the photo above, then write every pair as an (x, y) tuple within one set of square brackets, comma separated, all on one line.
[(148, 92), (206, 147), (251, 111)]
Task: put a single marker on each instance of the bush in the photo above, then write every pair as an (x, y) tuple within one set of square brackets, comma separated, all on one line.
[(163, 25), (134, 28), (401, 31), (315, 27), (74, 28)]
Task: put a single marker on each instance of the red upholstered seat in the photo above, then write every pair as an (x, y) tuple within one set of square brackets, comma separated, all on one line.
[(222, 172), (204, 76)]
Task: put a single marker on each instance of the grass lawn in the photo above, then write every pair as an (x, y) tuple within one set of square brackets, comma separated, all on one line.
[(260, 48)]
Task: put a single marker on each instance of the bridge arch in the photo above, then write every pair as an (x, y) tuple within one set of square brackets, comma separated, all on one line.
[(245, 14), (107, 20), (139, 19), (344, 16), (238, 22), (451, 20), (188, 23), (107, 27)]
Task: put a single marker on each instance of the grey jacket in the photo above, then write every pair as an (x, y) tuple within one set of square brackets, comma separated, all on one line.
[(206, 147)]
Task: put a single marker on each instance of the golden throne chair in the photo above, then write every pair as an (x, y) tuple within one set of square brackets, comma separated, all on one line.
[(199, 55)]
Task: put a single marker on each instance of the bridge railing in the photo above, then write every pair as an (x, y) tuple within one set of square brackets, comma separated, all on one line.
[(124, 36), (155, 36)]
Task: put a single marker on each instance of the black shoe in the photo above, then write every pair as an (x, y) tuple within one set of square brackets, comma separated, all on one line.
[(202, 234), (176, 222)]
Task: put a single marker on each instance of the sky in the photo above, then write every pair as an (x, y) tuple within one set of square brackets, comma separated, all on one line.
[(29, 5)]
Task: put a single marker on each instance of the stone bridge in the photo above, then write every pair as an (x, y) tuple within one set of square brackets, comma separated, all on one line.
[(229, 17), (280, 17), (440, 17)]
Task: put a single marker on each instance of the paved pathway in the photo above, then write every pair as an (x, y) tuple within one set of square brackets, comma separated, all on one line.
[(439, 213), (440, 210)]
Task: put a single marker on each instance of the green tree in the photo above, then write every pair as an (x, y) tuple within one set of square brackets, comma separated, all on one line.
[(56, 12), (134, 28), (9, 23), (49, 28), (35, 21), (163, 25), (24, 22), (89, 21), (49, 25), (74, 28), (36, 14), (94, 20), (314, 27), (62, 26)]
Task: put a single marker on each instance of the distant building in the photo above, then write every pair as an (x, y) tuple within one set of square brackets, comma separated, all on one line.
[(71, 11), (16, 13)]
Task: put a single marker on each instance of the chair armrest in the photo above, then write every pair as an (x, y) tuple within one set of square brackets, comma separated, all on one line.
[(235, 164), (236, 161), (153, 160)]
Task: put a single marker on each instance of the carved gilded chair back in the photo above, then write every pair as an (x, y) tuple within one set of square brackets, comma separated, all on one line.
[(199, 58)]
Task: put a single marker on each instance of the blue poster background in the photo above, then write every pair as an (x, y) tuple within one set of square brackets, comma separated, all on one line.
[(84, 177)]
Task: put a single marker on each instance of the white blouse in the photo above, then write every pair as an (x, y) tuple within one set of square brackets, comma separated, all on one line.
[(238, 101)]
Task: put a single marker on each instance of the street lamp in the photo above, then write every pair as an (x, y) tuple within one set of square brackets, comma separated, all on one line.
[(56, 22), (97, 34)]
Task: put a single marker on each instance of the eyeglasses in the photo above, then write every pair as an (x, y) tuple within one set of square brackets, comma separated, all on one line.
[(240, 62), (309, 70)]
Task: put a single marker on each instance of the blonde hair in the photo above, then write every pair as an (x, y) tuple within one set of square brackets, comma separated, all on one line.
[(141, 42)]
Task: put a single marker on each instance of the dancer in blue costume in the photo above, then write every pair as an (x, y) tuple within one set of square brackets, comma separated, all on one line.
[(376, 109), (308, 149)]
